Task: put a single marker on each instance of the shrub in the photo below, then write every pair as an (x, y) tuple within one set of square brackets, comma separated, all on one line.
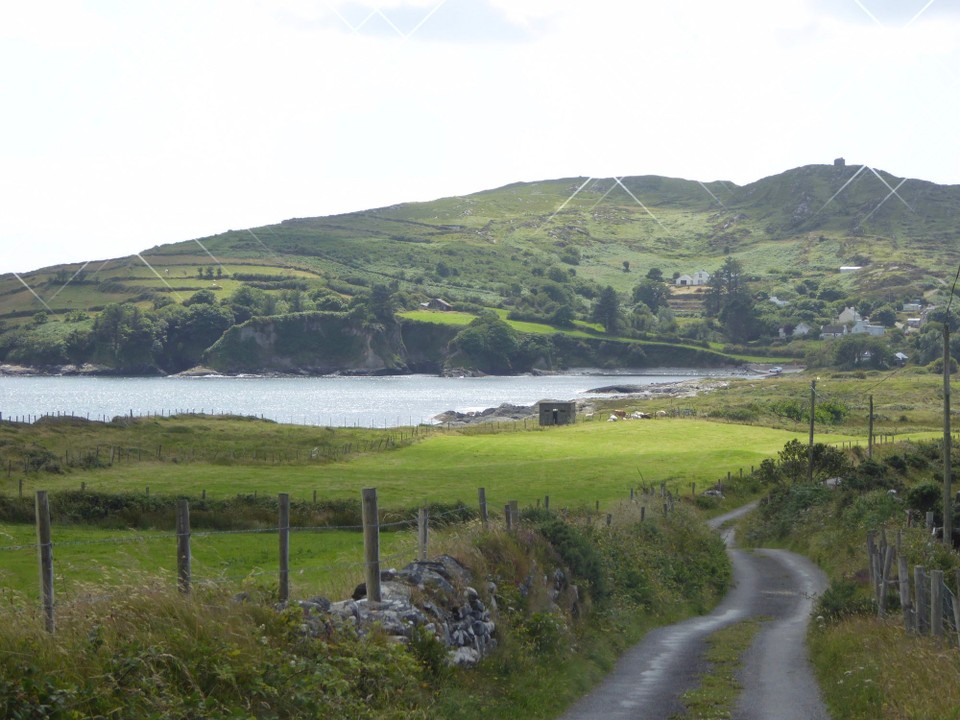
[(840, 600)]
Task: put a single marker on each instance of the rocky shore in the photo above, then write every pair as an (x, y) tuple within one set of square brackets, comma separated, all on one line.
[(507, 411)]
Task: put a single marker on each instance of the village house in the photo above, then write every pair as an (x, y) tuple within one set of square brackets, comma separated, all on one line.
[(912, 307), (849, 316), (828, 332), (864, 327), (700, 277)]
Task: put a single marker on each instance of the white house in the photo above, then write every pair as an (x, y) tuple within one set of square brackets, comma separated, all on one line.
[(850, 268), (912, 307), (700, 277), (849, 316), (863, 327)]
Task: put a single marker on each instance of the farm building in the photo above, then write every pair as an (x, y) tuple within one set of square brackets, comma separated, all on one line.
[(437, 304), (557, 412)]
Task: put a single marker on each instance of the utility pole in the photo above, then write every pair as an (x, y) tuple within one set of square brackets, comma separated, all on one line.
[(813, 407), (947, 490), (870, 434)]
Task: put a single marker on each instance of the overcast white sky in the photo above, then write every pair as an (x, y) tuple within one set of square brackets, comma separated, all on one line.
[(125, 125)]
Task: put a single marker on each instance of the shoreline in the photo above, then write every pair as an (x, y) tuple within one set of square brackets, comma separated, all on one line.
[(89, 370)]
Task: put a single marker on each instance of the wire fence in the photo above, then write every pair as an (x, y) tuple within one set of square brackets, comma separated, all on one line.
[(239, 559), (929, 605)]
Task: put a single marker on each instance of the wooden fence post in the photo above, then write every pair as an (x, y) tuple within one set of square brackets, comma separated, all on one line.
[(936, 603), (422, 536), (956, 607), (643, 512), (609, 519), (546, 502), (903, 575), (889, 553), (45, 550), (371, 544), (920, 605), (284, 527), (515, 514), (508, 516), (693, 489), (183, 546), (482, 494)]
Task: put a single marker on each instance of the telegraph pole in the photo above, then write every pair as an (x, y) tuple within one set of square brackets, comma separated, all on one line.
[(870, 434), (947, 490), (813, 407)]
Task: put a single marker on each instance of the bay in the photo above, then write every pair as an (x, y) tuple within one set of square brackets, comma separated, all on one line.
[(326, 401)]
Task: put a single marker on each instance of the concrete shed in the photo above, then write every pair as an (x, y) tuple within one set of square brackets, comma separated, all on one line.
[(557, 412)]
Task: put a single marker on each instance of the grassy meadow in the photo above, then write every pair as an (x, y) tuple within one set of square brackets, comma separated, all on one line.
[(590, 464), (575, 465)]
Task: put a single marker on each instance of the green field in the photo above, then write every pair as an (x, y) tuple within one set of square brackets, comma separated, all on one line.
[(584, 465), (89, 561), (575, 465)]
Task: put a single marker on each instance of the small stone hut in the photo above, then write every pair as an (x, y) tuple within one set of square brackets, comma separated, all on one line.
[(557, 412)]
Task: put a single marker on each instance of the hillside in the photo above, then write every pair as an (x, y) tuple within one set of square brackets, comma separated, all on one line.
[(536, 248)]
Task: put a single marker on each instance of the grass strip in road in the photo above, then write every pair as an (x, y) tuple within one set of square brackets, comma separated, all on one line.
[(719, 688)]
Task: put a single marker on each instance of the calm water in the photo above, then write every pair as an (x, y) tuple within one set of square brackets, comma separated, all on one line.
[(335, 401)]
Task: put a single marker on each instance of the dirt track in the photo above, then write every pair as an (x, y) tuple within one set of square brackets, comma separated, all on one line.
[(777, 679)]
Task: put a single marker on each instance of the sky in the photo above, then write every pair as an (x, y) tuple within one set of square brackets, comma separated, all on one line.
[(126, 125)]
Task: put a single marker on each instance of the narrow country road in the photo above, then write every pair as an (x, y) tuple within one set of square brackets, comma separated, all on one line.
[(777, 678)]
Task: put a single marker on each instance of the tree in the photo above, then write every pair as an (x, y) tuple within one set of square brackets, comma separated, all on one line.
[(201, 297), (652, 293), (666, 321), (190, 331), (489, 342), (862, 350), (127, 337), (563, 316), (793, 462), (606, 310), (655, 273), (728, 299), (247, 302), (884, 315), (626, 266)]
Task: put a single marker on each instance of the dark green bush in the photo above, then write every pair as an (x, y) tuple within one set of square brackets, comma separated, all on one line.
[(840, 600)]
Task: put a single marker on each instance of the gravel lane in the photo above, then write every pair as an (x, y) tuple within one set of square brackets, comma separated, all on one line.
[(649, 679)]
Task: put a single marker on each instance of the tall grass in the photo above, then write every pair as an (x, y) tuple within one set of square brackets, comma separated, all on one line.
[(870, 669)]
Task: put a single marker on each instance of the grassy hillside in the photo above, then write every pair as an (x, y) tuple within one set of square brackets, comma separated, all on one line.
[(533, 248)]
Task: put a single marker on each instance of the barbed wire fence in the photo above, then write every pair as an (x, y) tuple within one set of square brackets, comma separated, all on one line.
[(411, 539)]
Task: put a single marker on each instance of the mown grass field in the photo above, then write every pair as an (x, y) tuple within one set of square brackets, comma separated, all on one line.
[(575, 465)]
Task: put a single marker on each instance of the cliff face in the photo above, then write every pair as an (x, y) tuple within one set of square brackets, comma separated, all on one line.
[(317, 343), (321, 343)]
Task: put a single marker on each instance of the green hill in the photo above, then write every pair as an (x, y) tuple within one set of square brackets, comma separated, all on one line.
[(532, 248)]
